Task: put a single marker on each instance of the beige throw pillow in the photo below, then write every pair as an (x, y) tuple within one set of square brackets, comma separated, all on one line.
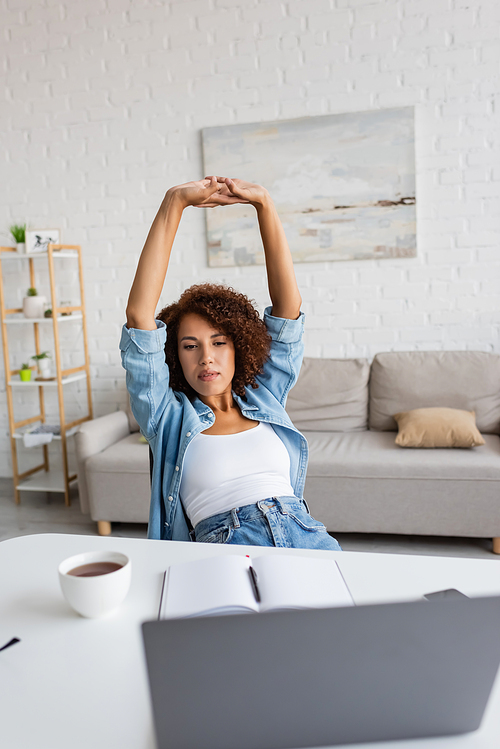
[(437, 427)]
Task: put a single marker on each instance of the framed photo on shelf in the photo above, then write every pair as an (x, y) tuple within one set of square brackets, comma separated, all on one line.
[(37, 240)]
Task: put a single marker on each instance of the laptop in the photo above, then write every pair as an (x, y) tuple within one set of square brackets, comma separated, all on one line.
[(322, 677)]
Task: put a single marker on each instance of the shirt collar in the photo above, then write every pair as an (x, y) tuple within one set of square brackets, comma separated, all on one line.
[(202, 409)]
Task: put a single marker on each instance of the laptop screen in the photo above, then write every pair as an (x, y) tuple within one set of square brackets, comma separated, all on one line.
[(323, 677)]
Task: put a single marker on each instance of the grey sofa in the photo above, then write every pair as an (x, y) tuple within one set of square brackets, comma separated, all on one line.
[(113, 470), (358, 480)]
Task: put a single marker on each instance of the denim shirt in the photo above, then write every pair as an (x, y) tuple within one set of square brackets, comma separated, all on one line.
[(169, 420)]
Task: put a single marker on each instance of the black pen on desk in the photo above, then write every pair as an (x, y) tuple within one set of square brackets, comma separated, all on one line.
[(253, 578), (11, 642)]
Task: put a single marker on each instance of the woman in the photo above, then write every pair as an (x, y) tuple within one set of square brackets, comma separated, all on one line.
[(208, 381)]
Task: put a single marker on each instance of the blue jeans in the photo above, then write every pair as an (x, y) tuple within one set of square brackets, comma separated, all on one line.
[(278, 521)]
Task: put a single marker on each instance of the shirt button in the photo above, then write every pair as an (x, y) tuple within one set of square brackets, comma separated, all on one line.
[(188, 434), (170, 499), (176, 468)]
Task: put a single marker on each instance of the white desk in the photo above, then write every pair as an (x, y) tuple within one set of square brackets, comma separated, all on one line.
[(74, 683)]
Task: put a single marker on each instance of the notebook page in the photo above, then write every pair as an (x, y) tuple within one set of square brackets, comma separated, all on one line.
[(215, 585), (293, 582)]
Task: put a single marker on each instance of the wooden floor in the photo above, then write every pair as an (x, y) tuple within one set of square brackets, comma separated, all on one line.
[(40, 512)]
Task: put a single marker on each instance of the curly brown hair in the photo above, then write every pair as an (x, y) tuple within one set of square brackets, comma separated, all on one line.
[(234, 315)]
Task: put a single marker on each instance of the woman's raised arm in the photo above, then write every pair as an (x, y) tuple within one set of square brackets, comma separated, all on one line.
[(153, 263), (283, 289)]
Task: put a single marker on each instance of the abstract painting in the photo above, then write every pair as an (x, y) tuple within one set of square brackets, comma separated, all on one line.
[(343, 185)]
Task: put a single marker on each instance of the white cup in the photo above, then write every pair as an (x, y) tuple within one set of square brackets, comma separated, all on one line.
[(98, 595)]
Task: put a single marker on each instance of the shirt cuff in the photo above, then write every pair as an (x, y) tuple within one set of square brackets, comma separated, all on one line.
[(147, 341), (283, 330)]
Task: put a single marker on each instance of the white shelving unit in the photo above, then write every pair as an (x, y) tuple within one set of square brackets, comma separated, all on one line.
[(52, 481), (69, 433), (41, 478), (46, 383), (17, 319)]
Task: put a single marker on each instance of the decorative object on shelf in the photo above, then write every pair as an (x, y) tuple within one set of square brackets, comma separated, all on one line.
[(41, 435), (25, 372), (18, 231), (65, 304), (38, 240), (53, 429), (33, 303), (47, 313), (43, 363)]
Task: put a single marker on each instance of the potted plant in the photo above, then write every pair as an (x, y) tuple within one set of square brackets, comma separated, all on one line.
[(25, 372), (33, 303), (43, 362), (18, 231)]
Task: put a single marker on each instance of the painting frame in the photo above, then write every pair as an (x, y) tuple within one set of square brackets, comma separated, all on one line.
[(37, 240), (344, 186)]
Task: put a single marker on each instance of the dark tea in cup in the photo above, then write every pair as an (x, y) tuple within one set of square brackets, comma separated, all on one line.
[(94, 568), (96, 582)]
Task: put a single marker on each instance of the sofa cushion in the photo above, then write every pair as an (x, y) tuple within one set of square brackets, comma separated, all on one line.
[(437, 427), (375, 455), (330, 395), (403, 381), (126, 456), (118, 482)]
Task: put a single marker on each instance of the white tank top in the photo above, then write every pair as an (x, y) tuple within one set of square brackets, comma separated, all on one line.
[(222, 471)]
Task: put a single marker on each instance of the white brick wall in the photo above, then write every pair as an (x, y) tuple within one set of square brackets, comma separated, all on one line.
[(102, 109)]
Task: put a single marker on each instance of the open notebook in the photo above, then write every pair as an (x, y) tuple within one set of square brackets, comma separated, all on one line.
[(237, 584)]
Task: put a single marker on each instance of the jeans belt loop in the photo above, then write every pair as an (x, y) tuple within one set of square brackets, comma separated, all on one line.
[(234, 516), (281, 507)]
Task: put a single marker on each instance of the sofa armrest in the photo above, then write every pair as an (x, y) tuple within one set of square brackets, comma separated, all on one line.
[(94, 437)]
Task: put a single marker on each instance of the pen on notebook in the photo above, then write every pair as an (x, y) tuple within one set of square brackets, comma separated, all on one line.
[(253, 579)]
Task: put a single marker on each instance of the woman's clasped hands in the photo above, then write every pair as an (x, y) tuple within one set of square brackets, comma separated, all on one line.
[(215, 191)]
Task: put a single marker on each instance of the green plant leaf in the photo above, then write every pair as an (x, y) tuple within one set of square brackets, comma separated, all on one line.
[(18, 231)]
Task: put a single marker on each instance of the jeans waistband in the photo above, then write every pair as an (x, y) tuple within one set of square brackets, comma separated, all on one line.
[(238, 515)]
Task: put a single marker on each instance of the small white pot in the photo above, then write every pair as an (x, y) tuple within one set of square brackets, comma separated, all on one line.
[(44, 367), (34, 306), (21, 248)]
